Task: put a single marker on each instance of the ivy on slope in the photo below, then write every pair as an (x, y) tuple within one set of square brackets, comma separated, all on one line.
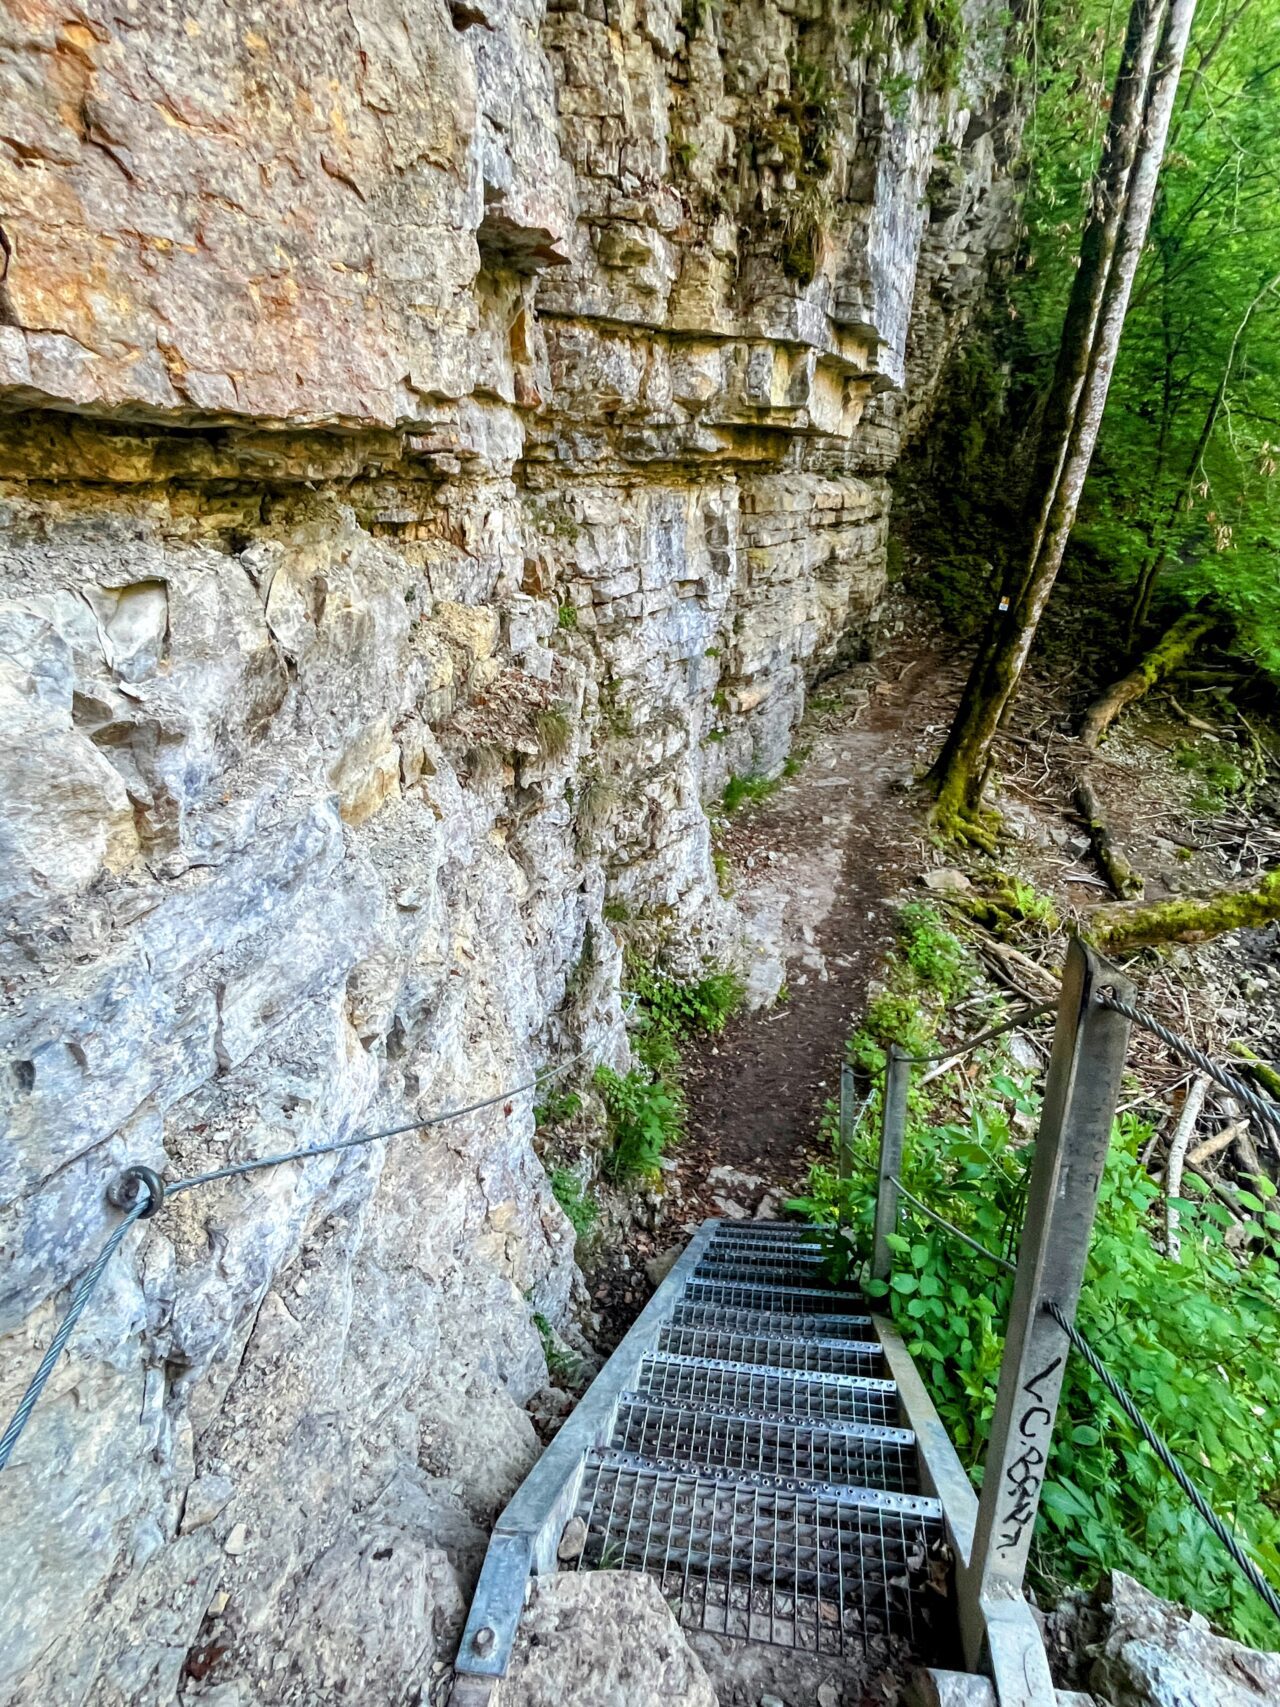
[(1196, 1342)]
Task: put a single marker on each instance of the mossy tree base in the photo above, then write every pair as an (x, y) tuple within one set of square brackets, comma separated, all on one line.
[(1186, 918)]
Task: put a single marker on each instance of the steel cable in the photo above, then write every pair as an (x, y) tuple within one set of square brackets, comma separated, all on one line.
[(1266, 1111), (1019, 1019), (950, 1226), (1165, 1454), (18, 1421), (141, 1192)]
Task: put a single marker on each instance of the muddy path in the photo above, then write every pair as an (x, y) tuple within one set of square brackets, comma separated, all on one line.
[(816, 870)]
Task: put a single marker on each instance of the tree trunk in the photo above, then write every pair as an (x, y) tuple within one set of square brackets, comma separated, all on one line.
[(1173, 647), (1110, 248), (1186, 918)]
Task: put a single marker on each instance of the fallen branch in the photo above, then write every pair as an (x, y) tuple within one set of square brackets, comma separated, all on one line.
[(1214, 1146), (1192, 1103), (1008, 961), (1126, 883), (1169, 651), (1266, 1076), (1186, 918)]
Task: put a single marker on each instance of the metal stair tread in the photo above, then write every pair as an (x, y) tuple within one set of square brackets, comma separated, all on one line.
[(744, 1413), (811, 1355), (754, 1481), (871, 1383), (795, 1448), (691, 1314)]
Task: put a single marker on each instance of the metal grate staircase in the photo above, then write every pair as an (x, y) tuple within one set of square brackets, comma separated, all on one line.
[(760, 1474), (760, 1445)]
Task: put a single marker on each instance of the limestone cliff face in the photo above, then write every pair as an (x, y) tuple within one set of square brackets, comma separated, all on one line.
[(438, 444)]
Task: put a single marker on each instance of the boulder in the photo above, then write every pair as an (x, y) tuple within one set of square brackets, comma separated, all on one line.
[(603, 1638)]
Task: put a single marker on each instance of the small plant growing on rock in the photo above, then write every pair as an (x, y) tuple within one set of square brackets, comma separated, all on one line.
[(645, 1116), (596, 802), (741, 789), (567, 617), (553, 731), (574, 1198)]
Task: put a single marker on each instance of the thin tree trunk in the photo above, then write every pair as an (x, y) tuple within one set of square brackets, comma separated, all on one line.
[(1109, 254)]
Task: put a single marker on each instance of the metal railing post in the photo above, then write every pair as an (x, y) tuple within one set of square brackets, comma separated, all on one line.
[(844, 1163), (1071, 1149), (893, 1128)]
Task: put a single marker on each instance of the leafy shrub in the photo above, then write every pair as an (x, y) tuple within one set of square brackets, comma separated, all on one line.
[(679, 1009), (556, 1109), (742, 789), (935, 956), (1196, 1342), (645, 1116), (573, 1197)]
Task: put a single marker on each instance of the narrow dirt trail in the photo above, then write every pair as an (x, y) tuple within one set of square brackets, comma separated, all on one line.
[(817, 869)]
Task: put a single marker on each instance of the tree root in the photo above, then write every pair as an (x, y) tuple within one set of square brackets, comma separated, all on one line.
[(977, 827), (1126, 883), (1186, 918), (1169, 651)]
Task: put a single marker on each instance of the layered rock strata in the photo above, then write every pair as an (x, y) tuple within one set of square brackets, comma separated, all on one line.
[(438, 446)]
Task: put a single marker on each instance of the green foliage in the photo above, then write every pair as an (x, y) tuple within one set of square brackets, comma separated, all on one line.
[(741, 789), (645, 1116), (680, 1009), (723, 868), (616, 913), (573, 1197), (567, 617), (562, 1364), (798, 138), (1207, 518), (933, 953), (556, 1109), (1196, 1342), (1219, 776)]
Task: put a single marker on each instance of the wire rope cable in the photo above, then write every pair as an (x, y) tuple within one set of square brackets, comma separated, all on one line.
[(1164, 1452), (140, 1192), (1268, 1112)]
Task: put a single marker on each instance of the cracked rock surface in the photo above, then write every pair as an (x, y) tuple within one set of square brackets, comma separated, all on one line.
[(439, 446)]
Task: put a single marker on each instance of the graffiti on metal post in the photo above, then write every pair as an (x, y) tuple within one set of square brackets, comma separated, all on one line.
[(1025, 1473)]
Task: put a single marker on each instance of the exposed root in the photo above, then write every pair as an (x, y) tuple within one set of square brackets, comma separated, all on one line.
[(1126, 883)]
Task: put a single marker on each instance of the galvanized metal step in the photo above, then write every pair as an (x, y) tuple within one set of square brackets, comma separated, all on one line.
[(804, 1567), (792, 1300), (709, 1382), (715, 1316), (845, 1454), (780, 1350), (761, 1270), (746, 1240)]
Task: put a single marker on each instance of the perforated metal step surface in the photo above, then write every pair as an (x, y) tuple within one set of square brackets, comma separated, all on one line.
[(779, 1350), (756, 1466), (744, 1386), (851, 1454), (801, 1568)]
